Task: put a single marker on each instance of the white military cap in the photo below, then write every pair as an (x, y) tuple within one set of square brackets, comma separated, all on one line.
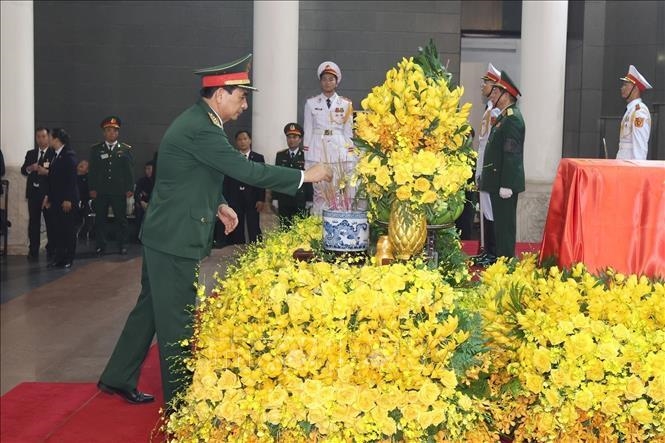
[(330, 68), (492, 74), (636, 78)]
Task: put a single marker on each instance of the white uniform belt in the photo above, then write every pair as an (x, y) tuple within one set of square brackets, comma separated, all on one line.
[(327, 131)]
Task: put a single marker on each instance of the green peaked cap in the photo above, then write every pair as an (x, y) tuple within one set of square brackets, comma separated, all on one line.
[(234, 73), (506, 83)]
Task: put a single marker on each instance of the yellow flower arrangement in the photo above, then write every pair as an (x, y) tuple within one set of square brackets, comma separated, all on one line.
[(575, 357), (413, 141), (315, 351)]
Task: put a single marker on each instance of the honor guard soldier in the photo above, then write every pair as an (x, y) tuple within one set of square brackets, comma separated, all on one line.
[(636, 122), (194, 157), (111, 181), (502, 176), (288, 206), (328, 127), (490, 115)]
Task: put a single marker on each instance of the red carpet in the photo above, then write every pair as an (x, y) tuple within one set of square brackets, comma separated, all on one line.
[(78, 412), (470, 247)]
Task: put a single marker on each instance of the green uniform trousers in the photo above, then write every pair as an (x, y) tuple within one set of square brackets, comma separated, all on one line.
[(505, 224), (165, 306), (119, 205)]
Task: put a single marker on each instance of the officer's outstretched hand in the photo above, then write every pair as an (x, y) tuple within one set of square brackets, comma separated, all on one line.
[(318, 173), (228, 216)]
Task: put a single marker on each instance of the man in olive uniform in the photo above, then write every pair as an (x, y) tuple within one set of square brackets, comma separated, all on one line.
[(111, 181), (194, 156), (503, 164), (293, 157)]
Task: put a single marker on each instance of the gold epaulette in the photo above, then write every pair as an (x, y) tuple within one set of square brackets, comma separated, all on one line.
[(215, 121), (125, 145)]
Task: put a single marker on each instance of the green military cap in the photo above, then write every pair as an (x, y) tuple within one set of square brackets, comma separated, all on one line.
[(293, 129), (110, 121), (235, 73), (508, 85)]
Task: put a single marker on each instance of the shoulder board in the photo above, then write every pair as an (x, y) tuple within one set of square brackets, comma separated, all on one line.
[(345, 98), (96, 145), (637, 106), (125, 145), (509, 111), (283, 151), (314, 96), (215, 121)]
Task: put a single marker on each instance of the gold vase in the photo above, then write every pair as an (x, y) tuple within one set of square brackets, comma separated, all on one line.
[(407, 230)]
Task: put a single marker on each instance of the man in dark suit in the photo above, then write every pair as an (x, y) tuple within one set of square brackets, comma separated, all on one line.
[(503, 165), (246, 200), (293, 157), (36, 168), (62, 198), (194, 157)]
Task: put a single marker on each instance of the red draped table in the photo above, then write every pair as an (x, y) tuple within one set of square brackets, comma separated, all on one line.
[(608, 213)]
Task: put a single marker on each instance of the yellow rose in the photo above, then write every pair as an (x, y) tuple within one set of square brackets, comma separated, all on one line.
[(228, 380), (634, 388), (584, 399), (428, 393), (656, 389), (421, 184), (403, 193), (541, 360), (428, 197), (640, 411), (534, 383), (383, 176)]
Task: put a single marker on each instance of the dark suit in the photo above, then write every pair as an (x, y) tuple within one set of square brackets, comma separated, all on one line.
[(503, 167), (242, 198), (63, 186), (35, 189), (288, 206), (194, 157)]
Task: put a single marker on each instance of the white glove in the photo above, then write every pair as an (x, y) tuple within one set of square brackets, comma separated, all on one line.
[(309, 205), (505, 192), (275, 203)]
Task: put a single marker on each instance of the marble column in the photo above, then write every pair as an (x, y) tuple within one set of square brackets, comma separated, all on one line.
[(17, 112), (543, 65), (275, 73)]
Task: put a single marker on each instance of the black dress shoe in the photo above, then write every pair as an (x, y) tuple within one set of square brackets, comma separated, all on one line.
[(33, 257), (52, 264), (123, 251), (99, 252), (67, 264), (134, 397)]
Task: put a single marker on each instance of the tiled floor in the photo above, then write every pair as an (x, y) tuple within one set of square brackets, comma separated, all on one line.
[(61, 325)]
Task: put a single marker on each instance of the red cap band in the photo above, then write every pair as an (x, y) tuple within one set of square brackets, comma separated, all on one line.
[(635, 81), (512, 91), (236, 78)]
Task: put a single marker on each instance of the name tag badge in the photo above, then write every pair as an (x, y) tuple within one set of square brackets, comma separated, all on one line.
[(46, 164), (104, 156)]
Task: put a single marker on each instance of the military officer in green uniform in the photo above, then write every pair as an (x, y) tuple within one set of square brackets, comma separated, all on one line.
[(111, 181), (503, 164), (292, 157), (194, 156)]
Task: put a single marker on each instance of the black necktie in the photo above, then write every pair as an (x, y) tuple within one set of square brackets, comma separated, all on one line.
[(293, 154), (41, 158), (328, 102)]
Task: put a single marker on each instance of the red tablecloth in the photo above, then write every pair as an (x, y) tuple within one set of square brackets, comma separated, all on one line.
[(608, 213)]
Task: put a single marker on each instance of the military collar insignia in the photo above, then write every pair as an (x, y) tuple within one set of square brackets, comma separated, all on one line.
[(215, 121)]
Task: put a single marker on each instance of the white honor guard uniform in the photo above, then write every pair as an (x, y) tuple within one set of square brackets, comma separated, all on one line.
[(636, 122), (328, 127), (489, 117)]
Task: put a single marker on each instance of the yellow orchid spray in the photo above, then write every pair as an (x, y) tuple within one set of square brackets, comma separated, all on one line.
[(413, 138)]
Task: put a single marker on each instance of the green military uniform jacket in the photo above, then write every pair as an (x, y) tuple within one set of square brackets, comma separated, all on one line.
[(305, 193), (194, 156), (503, 165), (111, 172)]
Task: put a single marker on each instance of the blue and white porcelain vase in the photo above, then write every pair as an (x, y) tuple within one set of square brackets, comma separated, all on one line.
[(345, 231)]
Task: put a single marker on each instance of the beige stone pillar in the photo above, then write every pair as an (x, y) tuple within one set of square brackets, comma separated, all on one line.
[(17, 111), (543, 66), (275, 73)]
